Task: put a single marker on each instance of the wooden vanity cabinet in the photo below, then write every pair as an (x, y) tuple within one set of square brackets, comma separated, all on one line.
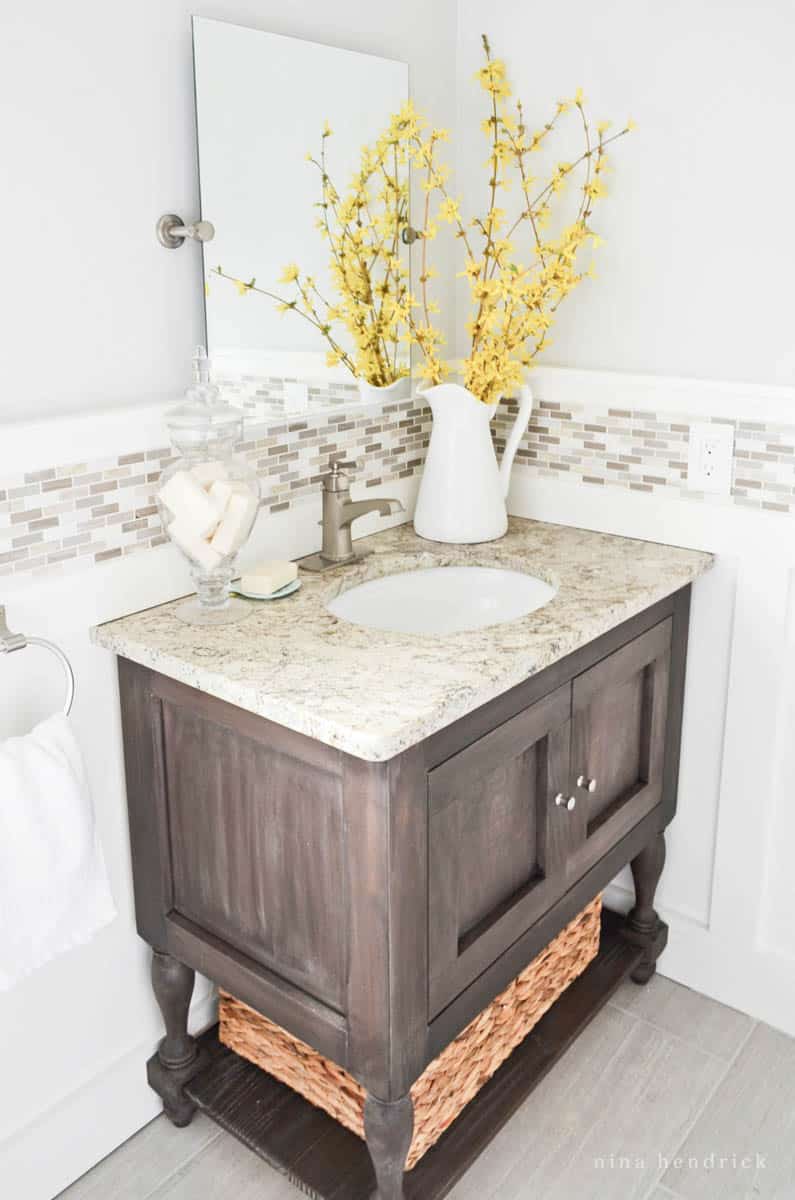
[(517, 817), (373, 909)]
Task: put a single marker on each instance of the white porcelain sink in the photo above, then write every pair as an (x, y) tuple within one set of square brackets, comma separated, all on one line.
[(442, 599)]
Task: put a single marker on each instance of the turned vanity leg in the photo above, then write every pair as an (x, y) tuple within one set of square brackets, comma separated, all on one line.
[(175, 1061), (644, 928), (388, 1128)]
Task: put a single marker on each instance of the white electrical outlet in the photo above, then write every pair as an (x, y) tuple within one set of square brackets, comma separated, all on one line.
[(709, 458), (296, 396)]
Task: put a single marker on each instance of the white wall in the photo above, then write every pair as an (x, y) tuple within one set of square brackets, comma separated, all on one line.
[(695, 278), (98, 142)]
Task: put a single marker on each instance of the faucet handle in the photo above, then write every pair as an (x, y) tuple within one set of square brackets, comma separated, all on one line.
[(335, 480)]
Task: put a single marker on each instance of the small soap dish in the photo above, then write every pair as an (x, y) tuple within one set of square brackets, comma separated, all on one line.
[(287, 590)]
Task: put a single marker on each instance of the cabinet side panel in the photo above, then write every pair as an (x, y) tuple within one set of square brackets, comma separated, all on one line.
[(144, 803), (256, 847)]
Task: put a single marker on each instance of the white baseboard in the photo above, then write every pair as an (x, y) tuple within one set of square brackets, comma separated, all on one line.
[(72, 1136)]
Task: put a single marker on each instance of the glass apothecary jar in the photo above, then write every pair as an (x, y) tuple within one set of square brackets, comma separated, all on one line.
[(208, 499)]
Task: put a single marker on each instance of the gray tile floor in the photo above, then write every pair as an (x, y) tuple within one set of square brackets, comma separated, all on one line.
[(666, 1096)]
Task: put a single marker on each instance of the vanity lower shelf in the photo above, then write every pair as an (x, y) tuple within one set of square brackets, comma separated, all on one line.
[(327, 1162)]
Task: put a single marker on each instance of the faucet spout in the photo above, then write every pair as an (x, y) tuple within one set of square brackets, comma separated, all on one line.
[(357, 508)]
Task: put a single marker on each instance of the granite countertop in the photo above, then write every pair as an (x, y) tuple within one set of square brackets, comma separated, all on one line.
[(372, 693)]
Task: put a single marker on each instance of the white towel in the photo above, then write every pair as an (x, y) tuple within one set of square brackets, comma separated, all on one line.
[(54, 891)]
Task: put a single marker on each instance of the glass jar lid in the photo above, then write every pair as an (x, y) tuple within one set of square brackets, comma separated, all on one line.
[(203, 417)]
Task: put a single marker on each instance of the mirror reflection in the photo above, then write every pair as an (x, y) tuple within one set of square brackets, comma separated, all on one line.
[(284, 128)]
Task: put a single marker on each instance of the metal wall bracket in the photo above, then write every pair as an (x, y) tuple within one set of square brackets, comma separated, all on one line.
[(409, 235), (9, 641), (172, 231), (17, 641)]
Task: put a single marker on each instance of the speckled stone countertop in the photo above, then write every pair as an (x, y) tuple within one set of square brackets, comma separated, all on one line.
[(372, 693)]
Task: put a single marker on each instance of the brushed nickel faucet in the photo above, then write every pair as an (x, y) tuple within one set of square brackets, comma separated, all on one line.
[(339, 513)]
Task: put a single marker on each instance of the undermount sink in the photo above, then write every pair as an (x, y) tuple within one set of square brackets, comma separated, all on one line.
[(442, 599)]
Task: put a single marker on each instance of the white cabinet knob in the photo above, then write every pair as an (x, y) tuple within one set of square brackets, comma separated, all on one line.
[(589, 785), (567, 802)]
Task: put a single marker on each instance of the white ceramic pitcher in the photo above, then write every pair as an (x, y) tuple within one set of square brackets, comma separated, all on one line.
[(463, 490)]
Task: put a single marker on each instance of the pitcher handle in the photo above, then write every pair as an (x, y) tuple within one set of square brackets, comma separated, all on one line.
[(515, 436)]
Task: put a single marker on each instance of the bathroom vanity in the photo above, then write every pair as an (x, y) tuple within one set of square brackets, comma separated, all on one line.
[(367, 835)]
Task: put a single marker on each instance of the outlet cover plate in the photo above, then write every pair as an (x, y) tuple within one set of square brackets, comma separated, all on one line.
[(710, 457)]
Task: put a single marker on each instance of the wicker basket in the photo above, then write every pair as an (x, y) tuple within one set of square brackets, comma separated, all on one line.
[(453, 1078)]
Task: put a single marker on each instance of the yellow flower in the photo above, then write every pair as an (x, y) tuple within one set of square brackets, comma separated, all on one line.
[(471, 269), (448, 210), (492, 78), (242, 287), (631, 126), (373, 312)]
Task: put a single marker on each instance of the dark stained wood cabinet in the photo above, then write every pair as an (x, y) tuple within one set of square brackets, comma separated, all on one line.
[(498, 848), (619, 722), (373, 909)]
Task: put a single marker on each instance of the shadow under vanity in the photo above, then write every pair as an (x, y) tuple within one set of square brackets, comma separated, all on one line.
[(366, 836)]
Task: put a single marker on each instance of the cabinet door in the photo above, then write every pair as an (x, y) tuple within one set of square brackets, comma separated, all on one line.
[(498, 844), (619, 711)]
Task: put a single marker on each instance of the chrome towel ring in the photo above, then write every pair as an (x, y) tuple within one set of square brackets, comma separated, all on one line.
[(17, 641)]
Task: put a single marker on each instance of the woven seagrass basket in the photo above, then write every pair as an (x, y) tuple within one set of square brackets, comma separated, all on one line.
[(453, 1078)]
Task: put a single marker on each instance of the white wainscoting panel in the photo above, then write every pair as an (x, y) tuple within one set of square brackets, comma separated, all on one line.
[(776, 932), (728, 891)]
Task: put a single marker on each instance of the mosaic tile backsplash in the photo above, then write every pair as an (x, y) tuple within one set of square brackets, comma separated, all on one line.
[(74, 514), (265, 397), (644, 451)]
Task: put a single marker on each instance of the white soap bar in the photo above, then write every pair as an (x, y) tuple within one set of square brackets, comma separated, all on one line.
[(207, 473), (268, 577), (236, 523), (222, 489), (195, 547), (190, 504)]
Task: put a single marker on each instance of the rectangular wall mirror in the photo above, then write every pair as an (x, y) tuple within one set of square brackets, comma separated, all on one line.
[(262, 102)]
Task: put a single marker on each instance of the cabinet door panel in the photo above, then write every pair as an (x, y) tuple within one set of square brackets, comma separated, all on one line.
[(497, 843), (619, 710)]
